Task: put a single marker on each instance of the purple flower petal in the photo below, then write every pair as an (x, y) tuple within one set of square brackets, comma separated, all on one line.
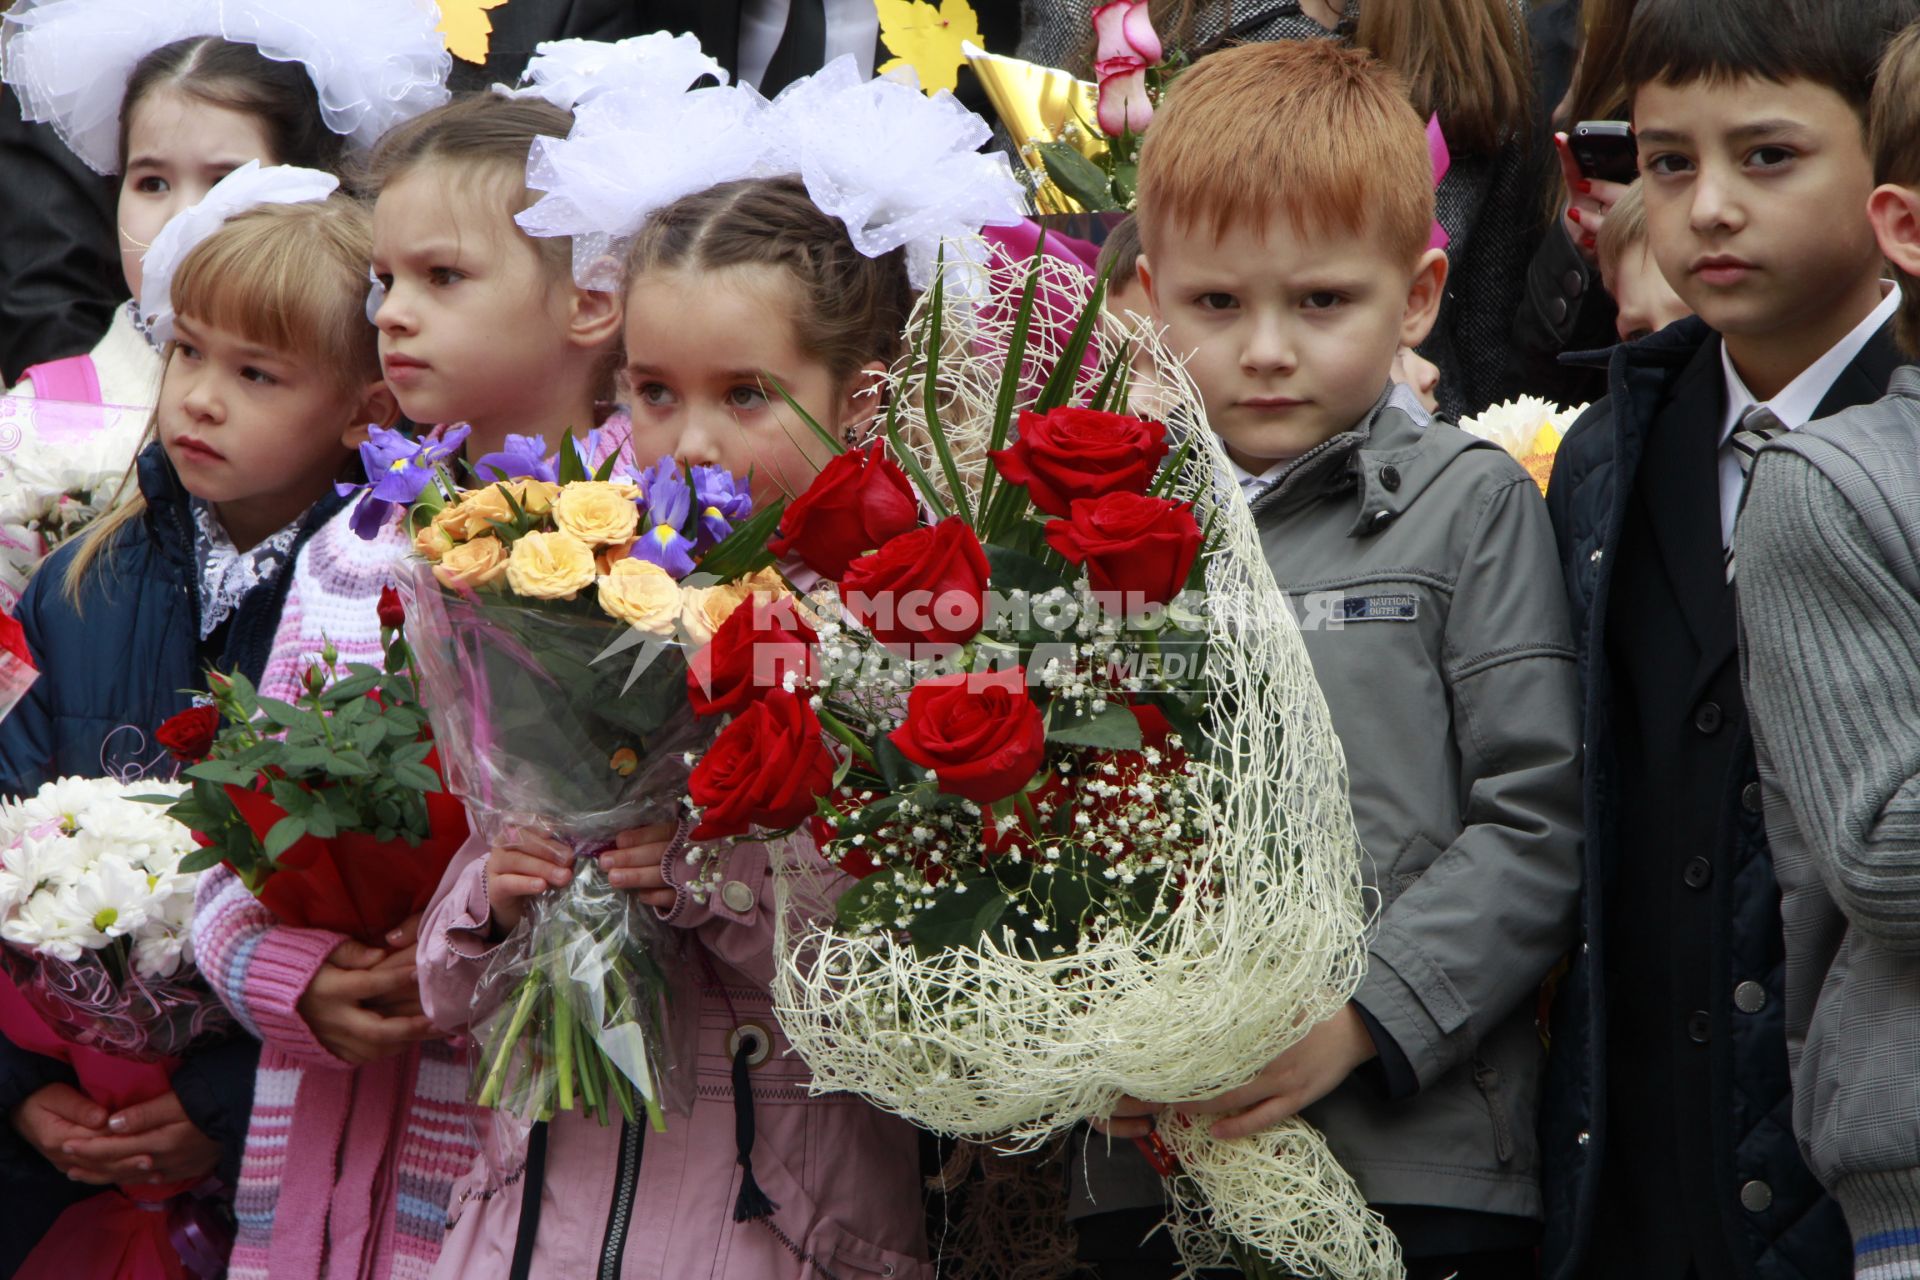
[(523, 457), (667, 547)]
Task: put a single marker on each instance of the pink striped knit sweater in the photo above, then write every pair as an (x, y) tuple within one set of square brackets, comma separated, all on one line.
[(347, 1172)]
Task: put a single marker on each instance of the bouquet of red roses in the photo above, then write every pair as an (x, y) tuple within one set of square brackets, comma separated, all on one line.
[(1050, 724), (330, 808)]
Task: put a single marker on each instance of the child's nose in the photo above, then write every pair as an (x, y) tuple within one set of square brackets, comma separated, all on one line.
[(1268, 346)]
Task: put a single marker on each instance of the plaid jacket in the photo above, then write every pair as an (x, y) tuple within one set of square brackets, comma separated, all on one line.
[(1829, 586)]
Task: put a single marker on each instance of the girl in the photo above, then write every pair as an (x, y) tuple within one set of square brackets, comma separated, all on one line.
[(267, 387), (479, 322), (728, 290), (174, 97)]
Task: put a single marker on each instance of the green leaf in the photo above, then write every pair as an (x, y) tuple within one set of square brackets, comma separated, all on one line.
[(1066, 371), (200, 860), (369, 736), (321, 822), (959, 919), (604, 472), (223, 771), (419, 777), (572, 469), (874, 900), (930, 392), (895, 769), (286, 715), (285, 834), (838, 446), (1111, 728), (745, 549), (411, 753), (358, 684), (1009, 389), (1010, 570), (1080, 178)]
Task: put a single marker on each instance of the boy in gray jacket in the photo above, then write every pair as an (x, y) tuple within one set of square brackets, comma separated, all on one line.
[(1286, 208), (1829, 596)]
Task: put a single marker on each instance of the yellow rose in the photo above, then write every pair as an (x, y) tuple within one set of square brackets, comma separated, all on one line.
[(606, 557), (473, 565), (536, 497), (707, 607), (595, 512), (432, 541), (455, 522), (642, 594), (549, 566)]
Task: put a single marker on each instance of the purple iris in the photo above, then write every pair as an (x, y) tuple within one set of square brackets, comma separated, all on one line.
[(665, 503), (398, 469), (720, 498), (523, 457)]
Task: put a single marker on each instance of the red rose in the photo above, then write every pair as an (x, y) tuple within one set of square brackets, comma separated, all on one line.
[(980, 733), (927, 587), (764, 769), (189, 735), (1130, 544), (393, 615), (1081, 453), (749, 655), (856, 503)]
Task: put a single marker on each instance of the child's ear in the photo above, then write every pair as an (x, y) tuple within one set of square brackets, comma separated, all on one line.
[(1424, 296), (594, 320), (376, 407), (862, 400), (1895, 213)]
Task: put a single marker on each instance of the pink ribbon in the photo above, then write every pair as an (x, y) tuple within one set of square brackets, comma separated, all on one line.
[(1442, 161)]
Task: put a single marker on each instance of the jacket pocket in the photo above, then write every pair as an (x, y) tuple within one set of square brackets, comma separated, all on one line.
[(1486, 1078), (838, 1254)]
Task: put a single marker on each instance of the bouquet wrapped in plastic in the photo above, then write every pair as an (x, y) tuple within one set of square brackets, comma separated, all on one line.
[(61, 464), (550, 610), (96, 912), (1052, 715)]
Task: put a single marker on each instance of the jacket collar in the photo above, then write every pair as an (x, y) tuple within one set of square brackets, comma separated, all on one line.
[(1385, 463)]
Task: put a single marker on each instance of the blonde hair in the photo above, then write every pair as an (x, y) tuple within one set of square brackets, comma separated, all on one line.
[(1624, 229), (1319, 132), (1893, 139), (290, 277)]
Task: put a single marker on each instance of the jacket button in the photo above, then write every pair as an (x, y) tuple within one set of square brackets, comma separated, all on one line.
[(1597, 556), (1583, 1137), (1378, 521), (1749, 997), (1699, 1026), (1698, 873), (1557, 311), (1390, 478), (1708, 718), (738, 896), (1573, 283), (1756, 1196), (1750, 797)]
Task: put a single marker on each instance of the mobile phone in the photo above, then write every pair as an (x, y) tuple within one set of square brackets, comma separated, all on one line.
[(1604, 149)]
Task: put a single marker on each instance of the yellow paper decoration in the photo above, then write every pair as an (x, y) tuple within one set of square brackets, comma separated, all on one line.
[(928, 39), (1041, 104), (468, 30)]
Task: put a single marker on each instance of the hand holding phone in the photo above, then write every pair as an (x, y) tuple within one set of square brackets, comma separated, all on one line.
[(1595, 148)]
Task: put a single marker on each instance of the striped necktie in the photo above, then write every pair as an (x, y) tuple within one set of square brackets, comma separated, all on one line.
[(1757, 426)]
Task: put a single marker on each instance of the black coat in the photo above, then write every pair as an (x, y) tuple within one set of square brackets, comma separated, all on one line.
[(1681, 953)]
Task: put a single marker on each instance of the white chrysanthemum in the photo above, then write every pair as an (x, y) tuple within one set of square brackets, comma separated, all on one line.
[(49, 923), (1514, 424), (161, 954), (114, 897)]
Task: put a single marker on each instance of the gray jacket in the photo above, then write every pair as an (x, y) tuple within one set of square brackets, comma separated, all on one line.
[(1421, 566), (1829, 591)]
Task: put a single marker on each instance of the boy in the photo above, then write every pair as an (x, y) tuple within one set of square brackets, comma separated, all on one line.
[(1646, 302), (1285, 207), (1831, 519), (1667, 1148)]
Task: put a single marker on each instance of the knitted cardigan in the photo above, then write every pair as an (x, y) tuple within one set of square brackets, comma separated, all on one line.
[(347, 1172)]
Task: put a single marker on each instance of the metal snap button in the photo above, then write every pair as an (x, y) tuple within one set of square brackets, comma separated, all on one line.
[(1573, 282), (1750, 797), (758, 1039), (1378, 521), (1390, 478), (1756, 1196), (1749, 997), (737, 896)]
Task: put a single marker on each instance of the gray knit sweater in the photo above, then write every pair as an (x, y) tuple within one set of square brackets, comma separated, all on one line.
[(1829, 589)]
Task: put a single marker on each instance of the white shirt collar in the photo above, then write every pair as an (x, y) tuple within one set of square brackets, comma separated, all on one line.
[(1800, 399)]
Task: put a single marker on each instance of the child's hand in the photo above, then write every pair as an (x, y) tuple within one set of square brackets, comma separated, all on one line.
[(151, 1142), (342, 1005), (636, 862), (1131, 1119), (52, 1117), (1293, 1081), (525, 867), (1589, 200), (402, 943)]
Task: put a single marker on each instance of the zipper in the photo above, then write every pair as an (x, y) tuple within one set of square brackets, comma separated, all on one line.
[(613, 1249), (1487, 1079)]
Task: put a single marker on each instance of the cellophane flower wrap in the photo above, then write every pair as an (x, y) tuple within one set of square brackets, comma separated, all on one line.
[(61, 464), (96, 914), (1056, 738), (551, 610)]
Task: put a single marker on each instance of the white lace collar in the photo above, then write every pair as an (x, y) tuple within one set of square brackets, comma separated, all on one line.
[(227, 573)]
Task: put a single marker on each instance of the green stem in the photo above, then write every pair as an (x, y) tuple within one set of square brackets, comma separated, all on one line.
[(523, 1010), (563, 1052), (833, 725)]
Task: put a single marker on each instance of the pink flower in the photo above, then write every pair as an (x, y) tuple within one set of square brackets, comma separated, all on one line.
[(1124, 105), (1124, 29)]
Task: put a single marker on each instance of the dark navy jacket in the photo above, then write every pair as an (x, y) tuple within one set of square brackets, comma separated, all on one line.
[(1762, 1215), (111, 670)]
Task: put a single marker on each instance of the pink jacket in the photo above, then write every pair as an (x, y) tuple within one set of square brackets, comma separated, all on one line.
[(844, 1174)]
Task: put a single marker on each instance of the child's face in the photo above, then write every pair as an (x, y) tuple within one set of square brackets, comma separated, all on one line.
[(473, 327), (1292, 333), (1756, 198), (260, 434), (1647, 302), (178, 146), (704, 352)]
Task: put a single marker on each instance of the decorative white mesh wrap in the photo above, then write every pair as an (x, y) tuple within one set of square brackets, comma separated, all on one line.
[(990, 1043), (374, 63), (572, 73)]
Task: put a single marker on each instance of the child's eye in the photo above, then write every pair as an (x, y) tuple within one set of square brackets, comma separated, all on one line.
[(1769, 157), (444, 276), (654, 395), (384, 280), (152, 185), (1322, 300), (1666, 163), (259, 376), (746, 396), (186, 350), (1216, 302)]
